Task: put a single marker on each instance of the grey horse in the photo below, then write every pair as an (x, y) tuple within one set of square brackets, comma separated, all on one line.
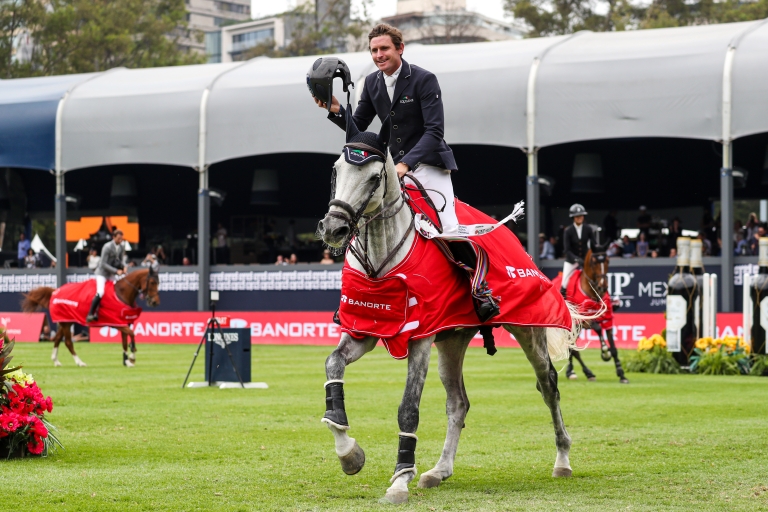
[(373, 190)]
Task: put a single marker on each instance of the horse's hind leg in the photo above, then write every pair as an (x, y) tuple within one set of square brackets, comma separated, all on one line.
[(615, 354), (129, 358), (587, 372), (408, 420), (534, 344), (348, 351), (451, 368), (56, 342), (71, 346)]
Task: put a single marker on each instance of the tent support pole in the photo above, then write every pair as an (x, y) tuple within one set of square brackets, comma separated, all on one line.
[(532, 212), (726, 230), (61, 231), (203, 241)]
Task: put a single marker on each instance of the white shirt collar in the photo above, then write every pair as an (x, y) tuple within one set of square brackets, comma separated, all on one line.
[(396, 73), (578, 228)]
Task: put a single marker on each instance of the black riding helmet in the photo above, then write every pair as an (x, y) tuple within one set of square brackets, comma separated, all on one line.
[(320, 78)]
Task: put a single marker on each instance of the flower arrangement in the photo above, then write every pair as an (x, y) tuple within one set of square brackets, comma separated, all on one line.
[(652, 357), (728, 355), (23, 426)]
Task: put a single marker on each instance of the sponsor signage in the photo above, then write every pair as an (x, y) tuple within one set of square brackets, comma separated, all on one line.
[(317, 328), (22, 326)]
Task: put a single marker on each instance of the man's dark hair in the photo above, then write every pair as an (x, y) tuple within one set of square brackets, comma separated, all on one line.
[(116, 232), (382, 29)]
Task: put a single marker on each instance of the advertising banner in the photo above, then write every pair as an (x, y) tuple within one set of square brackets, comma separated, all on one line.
[(22, 326), (317, 328)]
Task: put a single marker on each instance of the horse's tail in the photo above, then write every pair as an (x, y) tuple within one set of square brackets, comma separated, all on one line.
[(36, 299), (560, 342)]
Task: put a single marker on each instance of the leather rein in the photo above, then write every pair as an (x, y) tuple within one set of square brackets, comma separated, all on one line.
[(142, 292), (594, 280), (352, 218)]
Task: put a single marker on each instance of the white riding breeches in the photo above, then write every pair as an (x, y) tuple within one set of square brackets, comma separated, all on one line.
[(568, 269), (101, 281), (437, 182)]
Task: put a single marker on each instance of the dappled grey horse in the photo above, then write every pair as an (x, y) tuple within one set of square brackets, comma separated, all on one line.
[(368, 207)]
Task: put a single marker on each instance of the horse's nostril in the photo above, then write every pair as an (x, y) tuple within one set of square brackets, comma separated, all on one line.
[(341, 232), (320, 227)]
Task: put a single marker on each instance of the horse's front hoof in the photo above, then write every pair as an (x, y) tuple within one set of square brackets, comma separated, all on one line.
[(562, 473), (129, 363), (354, 461), (623, 380), (427, 481), (395, 497), (592, 379), (56, 363), (573, 376)]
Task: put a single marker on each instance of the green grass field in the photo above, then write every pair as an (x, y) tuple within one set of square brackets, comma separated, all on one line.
[(136, 441)]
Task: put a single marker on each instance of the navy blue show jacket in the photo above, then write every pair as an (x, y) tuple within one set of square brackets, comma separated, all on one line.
[(412, 125)]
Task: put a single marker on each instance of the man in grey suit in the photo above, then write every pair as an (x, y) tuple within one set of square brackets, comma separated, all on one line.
[(110, 265)]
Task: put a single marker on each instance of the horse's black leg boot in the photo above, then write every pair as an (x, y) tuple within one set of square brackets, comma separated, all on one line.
[(335, 414), (406, 455), (93, 314)]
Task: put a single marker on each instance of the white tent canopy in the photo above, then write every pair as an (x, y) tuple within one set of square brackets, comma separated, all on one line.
[(649, 83)]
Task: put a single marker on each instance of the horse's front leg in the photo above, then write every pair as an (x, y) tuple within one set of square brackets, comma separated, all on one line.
[(348, 351), (408, 420), (451, 368), (615, 354), (534, 343)]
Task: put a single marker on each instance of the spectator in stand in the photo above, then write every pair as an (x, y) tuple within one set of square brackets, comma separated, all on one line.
[(186, 262), (738, 237), (644, 220), (754, 242), (93, 259), (611, 226), (293, 259), (30, 260), (628, 247), (673, 252), (160, 255), (22, 250), (706, 245), (222, 248), (654, 253), (546, 249), (751, 228), (149, 260), (327, 260), (280, 260), (553, 240), (642, 246), (615, 248), (675, 232)]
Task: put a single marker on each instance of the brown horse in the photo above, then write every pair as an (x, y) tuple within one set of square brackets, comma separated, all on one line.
[(594, 283), (144, 282)]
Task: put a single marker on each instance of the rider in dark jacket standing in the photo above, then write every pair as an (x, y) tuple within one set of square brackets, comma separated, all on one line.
[(577, 240), (408, 101)]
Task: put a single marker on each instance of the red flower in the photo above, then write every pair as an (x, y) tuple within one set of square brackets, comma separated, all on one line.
[(36, 427), (35, 446), (48, 404), (10, 421)]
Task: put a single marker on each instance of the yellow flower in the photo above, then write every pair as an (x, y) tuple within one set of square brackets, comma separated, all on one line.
[(703, 343), (20, 377)]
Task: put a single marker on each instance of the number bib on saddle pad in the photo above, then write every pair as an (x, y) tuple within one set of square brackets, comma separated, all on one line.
[(71, 303), (587, 305), (426, 293)]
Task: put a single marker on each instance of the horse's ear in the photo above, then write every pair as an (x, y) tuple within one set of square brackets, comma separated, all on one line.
[(352, 130)]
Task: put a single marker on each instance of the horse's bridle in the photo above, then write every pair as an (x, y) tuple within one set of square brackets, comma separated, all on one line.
[(145, 291), (597, 259), (352, 217)]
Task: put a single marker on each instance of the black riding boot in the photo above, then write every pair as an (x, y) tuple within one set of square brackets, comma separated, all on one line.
[(335, 414), (485, 306), (93, 314)]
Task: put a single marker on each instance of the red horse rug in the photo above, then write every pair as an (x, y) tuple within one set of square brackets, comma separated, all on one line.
[(587, 305), (426, 293), (71, 303)]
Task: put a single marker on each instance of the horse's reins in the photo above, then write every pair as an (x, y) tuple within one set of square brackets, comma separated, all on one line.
[(353, 219), (142, 293)]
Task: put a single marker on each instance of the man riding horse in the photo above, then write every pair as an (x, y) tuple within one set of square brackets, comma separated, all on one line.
[(408, 101), (111, 265)]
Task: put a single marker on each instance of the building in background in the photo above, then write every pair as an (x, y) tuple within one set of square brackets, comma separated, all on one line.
[(231, 42), (448, 22), (208, 15)]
